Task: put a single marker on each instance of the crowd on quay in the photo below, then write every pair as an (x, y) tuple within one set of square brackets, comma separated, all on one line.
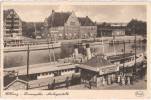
[(120, 80)]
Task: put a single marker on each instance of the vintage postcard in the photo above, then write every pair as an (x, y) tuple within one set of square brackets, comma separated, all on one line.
[(75, 50)]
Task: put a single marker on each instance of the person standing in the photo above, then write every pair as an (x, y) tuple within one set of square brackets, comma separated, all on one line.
[(53, 84), (67, 82), (103, 81), (109, 80), (90, 84), (49, 86), (128, 80), (118, 80), (131, 80), (123, 80)]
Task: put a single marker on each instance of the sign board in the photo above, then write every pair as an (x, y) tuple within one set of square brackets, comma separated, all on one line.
[(109, 70)]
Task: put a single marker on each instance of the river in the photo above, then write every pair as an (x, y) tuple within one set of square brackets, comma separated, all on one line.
[(13, 59)]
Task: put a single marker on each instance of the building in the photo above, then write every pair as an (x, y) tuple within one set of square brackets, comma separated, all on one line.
[(98, 71), (118, 29), (88, 28), (12, 24), (42, 74), (111, 29), (17, 84), (66, 25)]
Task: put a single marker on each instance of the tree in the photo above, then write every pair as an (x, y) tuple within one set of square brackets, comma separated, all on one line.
[(136, 27)]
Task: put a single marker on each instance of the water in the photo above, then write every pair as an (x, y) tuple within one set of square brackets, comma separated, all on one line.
[(13, 59)]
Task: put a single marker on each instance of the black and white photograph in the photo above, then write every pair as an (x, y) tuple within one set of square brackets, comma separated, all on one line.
[(74, 47)]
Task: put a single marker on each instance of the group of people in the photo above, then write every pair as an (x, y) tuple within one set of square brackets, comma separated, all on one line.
[(125, 80), (121, 80)]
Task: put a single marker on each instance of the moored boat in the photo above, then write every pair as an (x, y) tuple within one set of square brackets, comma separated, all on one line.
[(33, 46), (127, 59)]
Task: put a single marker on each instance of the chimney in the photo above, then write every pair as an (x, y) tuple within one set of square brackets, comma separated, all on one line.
[(53, 11), (16, 75), (88, 51), (76, 50)]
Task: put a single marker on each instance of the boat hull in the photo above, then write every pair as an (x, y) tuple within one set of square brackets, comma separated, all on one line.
[(33, 47)]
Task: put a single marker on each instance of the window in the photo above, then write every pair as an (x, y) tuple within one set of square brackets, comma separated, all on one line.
[(72, 23), (38, 74), (77, 70)]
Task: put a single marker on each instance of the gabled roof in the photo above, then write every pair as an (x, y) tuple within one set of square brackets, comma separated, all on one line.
[(41, 68), (86, 21), (13, 82), (58, 18), (98, 61), (7, 12)]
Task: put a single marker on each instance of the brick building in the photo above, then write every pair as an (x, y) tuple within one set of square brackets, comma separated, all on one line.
[(88, 28), (12, 24), (66, 25)]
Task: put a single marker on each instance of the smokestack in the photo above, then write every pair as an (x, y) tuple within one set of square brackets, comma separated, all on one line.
[(88, 51), (53, 11), (76, 50)]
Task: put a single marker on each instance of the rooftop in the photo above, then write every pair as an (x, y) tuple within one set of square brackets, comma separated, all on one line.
[(8, 12), (40, 68), (86, 21), (58, 18), (97, 61)]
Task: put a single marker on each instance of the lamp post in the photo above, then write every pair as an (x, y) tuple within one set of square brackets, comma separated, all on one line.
[(48, 37), (102, 42), (124, 58), (28, 51), (134, 68)]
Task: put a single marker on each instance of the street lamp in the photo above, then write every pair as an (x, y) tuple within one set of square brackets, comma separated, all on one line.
[(124, 58), (134, 68)]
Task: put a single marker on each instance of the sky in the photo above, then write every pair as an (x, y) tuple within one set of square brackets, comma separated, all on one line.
[(98, 13)]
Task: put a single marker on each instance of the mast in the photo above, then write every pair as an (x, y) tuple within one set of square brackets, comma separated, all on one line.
[(28, 67), (52, 18), (35, 30), (135, 55), (102, 42), (54, 58), (114, 44), (48, 36), (134, 68), (124, 58)]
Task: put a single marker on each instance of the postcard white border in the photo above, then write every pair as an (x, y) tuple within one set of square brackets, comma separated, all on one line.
[(85, 94)]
